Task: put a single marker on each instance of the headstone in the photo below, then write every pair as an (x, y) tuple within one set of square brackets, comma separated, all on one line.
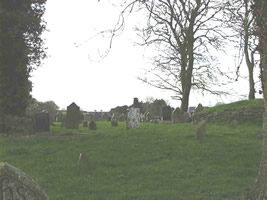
[(73, 116), (136, 103), (114, 120), (147, 117), (201, 129), (92, 125), (42, 122), (199, 108), (166, 113), (234, 123), (142, 117), (133, 118), (177, 116), (16, 185), (186, 117), (83, 160), (85, 124)]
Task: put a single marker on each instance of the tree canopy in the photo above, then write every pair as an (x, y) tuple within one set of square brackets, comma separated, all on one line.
[(22, 50)]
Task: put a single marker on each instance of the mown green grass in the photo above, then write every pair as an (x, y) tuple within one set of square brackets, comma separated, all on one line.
[(245, 104), (154, 162)]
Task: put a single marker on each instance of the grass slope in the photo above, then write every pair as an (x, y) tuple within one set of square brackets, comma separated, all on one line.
[(235, 106), (155, 162)]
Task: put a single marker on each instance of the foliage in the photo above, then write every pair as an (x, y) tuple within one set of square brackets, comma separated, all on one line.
[(15, 125), (21, 51), (154, 108), (35, 107), (157, 161), (120, 110)]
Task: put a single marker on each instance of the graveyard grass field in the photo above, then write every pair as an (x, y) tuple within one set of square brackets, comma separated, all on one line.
[(154, 162)]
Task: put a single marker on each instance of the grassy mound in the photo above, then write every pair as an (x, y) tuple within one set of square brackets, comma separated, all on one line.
[(239, 105), (247, 111), (154, 162)]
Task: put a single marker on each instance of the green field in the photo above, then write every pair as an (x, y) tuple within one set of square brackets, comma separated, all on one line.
[(154, 162)]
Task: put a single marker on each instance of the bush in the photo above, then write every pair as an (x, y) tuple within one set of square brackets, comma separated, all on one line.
[(15, 125)]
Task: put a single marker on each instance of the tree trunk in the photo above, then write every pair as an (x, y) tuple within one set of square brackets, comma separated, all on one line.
[(251, 83), (259, 191), (185, 100), (249, 58)]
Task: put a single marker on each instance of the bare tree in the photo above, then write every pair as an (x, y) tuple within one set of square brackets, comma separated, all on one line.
[(259, 192), (239, 17), (183, 32)]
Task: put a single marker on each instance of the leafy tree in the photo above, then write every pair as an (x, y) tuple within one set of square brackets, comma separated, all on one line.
[(35, 107), (154, 107), (120, 110), (21, 51)]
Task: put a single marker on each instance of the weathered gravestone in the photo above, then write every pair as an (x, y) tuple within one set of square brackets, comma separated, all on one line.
[(166, 113), (147, 117), (177, 116), (73, 116), (114, 120), (16, 185), (42, 122), (234, 123), (136, 103), (186, 117), (133, 118), (201, 129), (92, 125), (83, 160)]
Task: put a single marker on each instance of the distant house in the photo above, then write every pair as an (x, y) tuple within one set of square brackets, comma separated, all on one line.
[(191, 109)]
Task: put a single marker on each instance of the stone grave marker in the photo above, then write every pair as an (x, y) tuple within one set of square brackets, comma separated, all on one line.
[(92, 125), (234, 123), (201, 129), (42, 122), (73, 116), (114, 120), (177, 116), (147, 117), (83, 160), (16, 185), (136, 103), (133, 118), (166, 113), (186, 117)]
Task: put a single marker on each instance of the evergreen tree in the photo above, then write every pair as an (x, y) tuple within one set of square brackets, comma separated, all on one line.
[(21, 51)]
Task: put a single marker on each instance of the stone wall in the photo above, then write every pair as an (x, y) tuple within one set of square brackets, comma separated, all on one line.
[(253, 115)]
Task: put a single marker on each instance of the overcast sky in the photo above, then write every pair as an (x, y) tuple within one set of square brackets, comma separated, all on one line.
[(72, 74)]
